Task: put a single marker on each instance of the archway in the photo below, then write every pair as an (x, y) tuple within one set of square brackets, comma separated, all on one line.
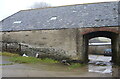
[(99, 50), (113, 36)]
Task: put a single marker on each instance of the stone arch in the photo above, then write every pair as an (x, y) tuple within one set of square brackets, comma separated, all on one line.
[(108, 29), (113, 35)]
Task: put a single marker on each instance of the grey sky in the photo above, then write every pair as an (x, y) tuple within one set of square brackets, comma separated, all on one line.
[(9, 7)]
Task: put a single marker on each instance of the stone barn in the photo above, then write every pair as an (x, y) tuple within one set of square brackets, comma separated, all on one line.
[(62, 32)]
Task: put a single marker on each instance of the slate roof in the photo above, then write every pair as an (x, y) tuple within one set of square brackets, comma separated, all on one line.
[(74, 16)]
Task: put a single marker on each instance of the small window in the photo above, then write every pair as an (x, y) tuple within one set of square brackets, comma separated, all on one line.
[(53, 18), (17, 22)]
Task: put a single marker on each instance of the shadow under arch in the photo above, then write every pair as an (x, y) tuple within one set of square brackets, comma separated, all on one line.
[(111, 35)]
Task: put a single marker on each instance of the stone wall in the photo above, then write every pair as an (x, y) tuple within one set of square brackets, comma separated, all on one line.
[(0, 40), (118, 49), (51, 40), (60, 43)]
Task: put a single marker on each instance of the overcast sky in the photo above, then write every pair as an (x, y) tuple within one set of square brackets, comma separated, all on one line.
[(9, 7)]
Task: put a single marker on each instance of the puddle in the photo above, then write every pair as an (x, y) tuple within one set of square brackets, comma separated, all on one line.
[(100, 64), (100, 69), (5, 61)]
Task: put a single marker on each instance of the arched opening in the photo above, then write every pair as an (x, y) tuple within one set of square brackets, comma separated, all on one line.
[(111, 35), (99, 50)]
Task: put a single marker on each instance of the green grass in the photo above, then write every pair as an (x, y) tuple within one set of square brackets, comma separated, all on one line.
[(8, 54), (75, 65), (21, 59), (7, 64), (48, 60)]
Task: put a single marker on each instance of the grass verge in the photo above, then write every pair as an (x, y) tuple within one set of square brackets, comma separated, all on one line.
[(75, 65), (8, 54), (6, 64), (20, 59)]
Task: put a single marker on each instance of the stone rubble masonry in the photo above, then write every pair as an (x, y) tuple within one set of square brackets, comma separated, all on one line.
[(59, 43)]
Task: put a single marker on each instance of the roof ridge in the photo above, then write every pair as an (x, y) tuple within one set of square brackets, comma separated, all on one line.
[(68, 5)]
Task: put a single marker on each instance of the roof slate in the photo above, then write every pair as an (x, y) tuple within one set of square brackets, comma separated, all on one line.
[(75, 16)]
